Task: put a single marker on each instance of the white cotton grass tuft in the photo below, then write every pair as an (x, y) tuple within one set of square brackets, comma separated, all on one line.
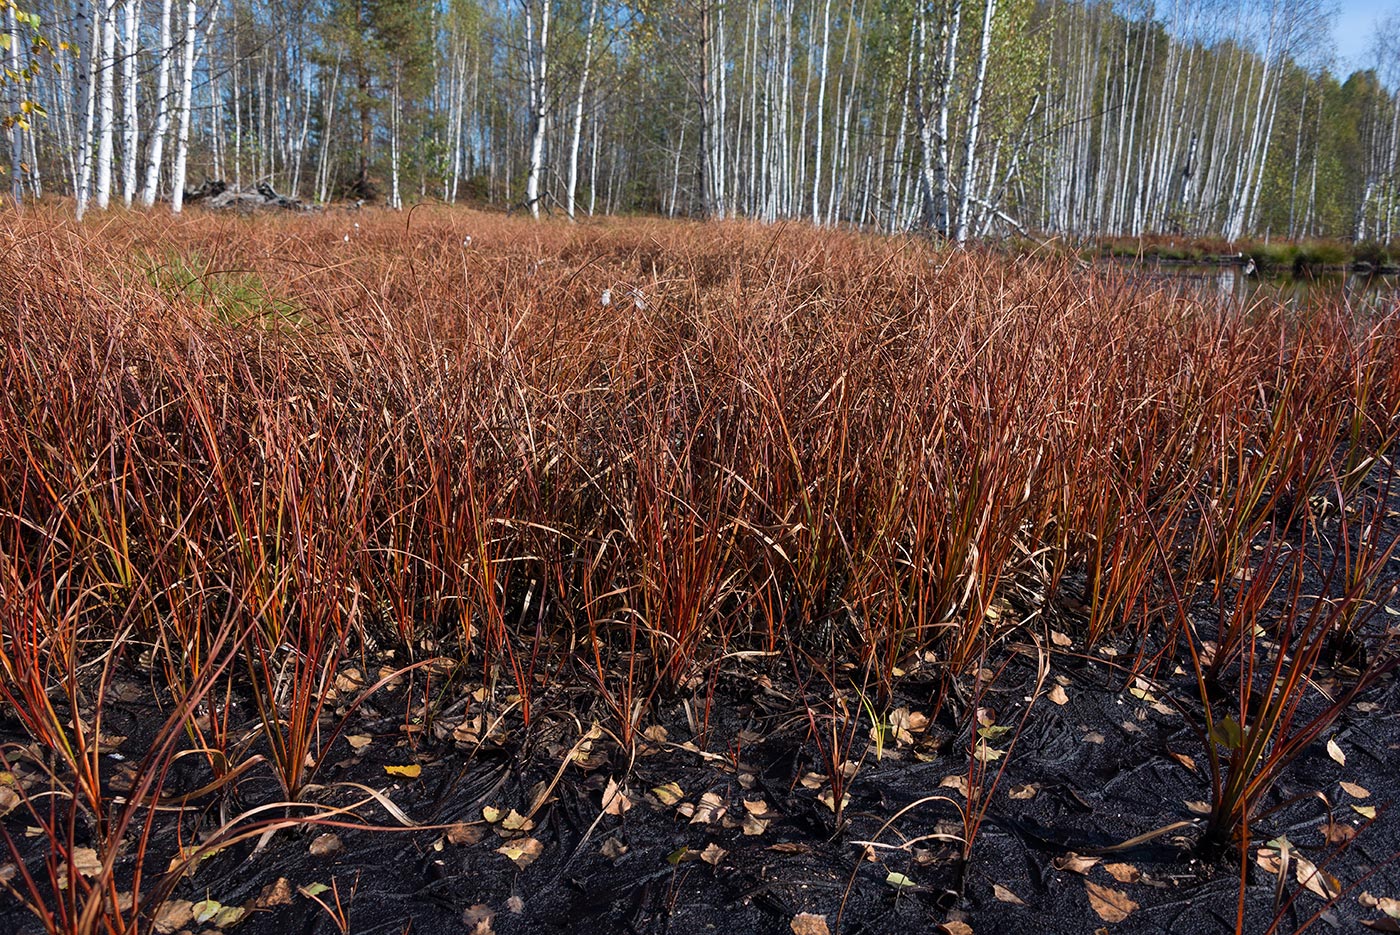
[(607, 297), (347, 238), (467, 240)]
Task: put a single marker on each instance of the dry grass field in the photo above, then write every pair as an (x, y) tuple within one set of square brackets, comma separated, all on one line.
[(438, 571)]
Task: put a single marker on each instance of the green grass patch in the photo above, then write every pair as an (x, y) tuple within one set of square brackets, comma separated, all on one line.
[(234, 297)]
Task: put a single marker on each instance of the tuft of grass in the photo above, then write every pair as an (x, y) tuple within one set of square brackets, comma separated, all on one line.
[(232, 296)]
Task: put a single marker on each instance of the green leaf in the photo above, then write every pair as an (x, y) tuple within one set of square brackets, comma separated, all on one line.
[(1227, 733), (207, 909), (900, 882)]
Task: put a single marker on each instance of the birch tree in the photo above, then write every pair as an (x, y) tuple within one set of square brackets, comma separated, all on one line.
[(131, 23), (572, 190), (155, 150), (106, 117), (182, 136), (537, 71)]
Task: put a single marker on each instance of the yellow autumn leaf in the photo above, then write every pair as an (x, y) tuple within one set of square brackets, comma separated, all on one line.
[(411, 771)]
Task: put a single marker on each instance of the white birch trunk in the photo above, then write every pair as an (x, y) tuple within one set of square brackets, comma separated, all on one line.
[(578, 108), (182, 137), (821, 113), (106, 118), (537, 51), (974, 122), (16, 130), (131, 20), (156, 148), (89, 118)]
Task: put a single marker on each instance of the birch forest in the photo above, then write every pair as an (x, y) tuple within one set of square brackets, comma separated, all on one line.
[(968, 118)]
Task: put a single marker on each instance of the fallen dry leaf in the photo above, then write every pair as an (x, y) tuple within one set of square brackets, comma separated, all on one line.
[(668, 794), (1335, 752), (988, 754), (358, 741), (790, 847), (709, 808), (1111, 905), (85, 861), (463, 833), (522, 852), (515, 821), (1183, 759), (277, 893), (1060, 639), (1336, 832), (1006, 896), (1123, 873), (1355, 791), (1093, 737), (754, 826), (324, 845), (713, 854), (174, 914), (1269, 859), (958, 782), (477, 919), (1025, 790), (1074, 863), (1318, 881), (1386, 904), (806, 923), (1198, 807), (955, 927), (612, 849), (615, 801), (411, 771), (1058, 695), (1365, 811), (349, 680)]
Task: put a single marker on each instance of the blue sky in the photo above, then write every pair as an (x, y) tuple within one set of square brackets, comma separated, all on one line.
[(1354, 29)]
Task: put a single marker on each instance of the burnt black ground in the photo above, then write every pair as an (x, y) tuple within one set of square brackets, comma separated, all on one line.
[(1091, 795)]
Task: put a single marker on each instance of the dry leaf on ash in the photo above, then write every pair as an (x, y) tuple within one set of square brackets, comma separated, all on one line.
[(806, 923), (1111, 905)]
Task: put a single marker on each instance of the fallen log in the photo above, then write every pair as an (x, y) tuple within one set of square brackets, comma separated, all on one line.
[(217, 194)]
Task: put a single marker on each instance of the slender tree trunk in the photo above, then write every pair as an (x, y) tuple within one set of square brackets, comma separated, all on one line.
[(942, 179), (395, 199), (182, 137), (90, 111), (974, 123), (538, 66), (578, 107), (106, 119), (16, 130), (821, 113), (156, 147), (130, 118)]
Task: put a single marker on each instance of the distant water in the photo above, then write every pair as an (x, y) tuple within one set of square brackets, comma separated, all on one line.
[(1369, 292)]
